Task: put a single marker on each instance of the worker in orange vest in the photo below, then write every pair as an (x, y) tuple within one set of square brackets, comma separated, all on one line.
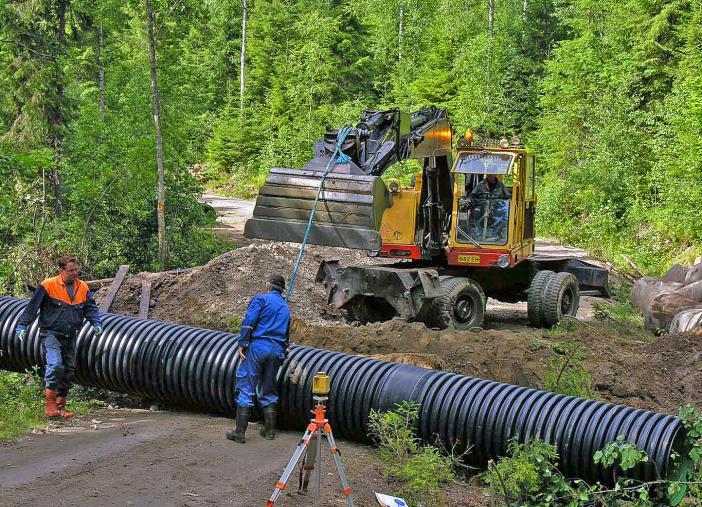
[(63, 303)]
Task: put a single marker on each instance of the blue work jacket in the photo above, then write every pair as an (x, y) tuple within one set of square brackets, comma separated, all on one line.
[(267, 318)]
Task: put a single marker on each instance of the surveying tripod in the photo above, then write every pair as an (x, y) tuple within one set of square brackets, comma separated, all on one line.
[(317, 428)]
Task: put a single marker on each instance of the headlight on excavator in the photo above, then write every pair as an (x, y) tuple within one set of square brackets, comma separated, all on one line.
[(394, 186), (503, 261)]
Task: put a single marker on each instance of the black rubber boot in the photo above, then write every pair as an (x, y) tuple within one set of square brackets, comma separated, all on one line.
[(268, 429), (242, 421)]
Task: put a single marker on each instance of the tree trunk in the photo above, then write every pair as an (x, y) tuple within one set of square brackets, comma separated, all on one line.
[(56, 118), (400, 33), (242, 70), (101, 71), (160, 207), (491, 17)]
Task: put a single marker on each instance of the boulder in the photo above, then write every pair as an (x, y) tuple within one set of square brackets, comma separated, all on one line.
[(687, 321), (663, 309), (675, 274), (694, 274), (692, 291), (646, 288)]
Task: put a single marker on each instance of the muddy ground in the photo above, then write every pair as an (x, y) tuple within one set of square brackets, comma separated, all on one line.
[(143, 458), (172, 458)]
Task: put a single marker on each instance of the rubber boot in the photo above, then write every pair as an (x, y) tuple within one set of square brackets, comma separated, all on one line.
[(50, 408), (242, 421), (268, 429), (61, 406)]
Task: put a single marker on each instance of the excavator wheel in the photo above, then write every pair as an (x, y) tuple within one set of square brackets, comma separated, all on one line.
[(535, 297), (561, 298), (461, 307)]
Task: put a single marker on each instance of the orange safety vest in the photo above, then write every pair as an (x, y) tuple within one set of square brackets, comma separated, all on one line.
[(56, 289)]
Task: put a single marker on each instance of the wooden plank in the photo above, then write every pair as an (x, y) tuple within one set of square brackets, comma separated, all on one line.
[(145, 299), (100, 283), (112, 291)]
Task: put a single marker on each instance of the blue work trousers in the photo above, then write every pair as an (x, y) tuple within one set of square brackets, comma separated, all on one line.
[(257, 373), (60, 355)]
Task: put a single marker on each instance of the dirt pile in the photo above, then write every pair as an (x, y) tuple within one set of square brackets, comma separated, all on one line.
[(661, 374), (216, 295)]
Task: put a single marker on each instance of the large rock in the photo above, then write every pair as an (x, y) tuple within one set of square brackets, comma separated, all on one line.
[(694, 274), (692, 291), (676, 274), (687, 321), (663, 309), (646, 288)]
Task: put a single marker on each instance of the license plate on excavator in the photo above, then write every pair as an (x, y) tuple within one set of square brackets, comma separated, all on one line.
[(469, 259)]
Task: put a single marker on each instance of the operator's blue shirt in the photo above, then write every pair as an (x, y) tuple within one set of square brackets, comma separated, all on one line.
[(267, 318)]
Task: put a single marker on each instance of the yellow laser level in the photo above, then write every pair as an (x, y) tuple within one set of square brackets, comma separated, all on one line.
[(321, 383)]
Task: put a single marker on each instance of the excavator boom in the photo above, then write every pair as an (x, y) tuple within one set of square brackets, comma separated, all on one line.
[(353, 197)]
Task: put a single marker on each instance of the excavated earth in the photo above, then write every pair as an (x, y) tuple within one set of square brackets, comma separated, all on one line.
[(626, 365)]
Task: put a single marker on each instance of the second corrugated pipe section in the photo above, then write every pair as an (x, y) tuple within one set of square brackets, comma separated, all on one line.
[(196, 368)]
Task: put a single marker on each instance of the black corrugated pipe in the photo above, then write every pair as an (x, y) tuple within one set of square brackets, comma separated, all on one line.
[(195, 367)]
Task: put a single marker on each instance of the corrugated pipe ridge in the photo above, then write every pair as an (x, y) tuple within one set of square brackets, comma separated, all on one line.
[(196, 368)]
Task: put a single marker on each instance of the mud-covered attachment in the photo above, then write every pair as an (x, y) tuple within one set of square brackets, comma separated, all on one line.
[(348, 214)]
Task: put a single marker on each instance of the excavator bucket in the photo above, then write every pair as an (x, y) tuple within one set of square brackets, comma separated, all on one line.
[(353, 197), (348, 214)]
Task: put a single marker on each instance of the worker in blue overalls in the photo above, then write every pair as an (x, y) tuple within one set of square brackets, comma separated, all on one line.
[(263, 345)]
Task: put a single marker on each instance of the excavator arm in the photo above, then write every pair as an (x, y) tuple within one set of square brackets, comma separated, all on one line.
[(353, 196)]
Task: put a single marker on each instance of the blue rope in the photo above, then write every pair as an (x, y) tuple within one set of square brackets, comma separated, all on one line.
[(338, 157)]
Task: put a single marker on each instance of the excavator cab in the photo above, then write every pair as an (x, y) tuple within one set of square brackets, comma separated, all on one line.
[(494, 203), (352, 196)]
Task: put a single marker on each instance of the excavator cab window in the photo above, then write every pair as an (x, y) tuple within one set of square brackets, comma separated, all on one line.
[(483, 210)]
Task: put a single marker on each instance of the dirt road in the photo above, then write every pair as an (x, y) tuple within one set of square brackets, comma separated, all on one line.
[(144, 458)]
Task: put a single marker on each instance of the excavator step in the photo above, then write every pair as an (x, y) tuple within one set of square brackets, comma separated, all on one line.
[(349, 211)]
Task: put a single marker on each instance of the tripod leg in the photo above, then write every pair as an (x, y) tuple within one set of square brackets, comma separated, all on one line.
[(280, 485), (339, 466), (309, 463), (319, 462)]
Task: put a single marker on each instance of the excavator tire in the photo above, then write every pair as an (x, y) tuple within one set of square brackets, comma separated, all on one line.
[(561, 298), (535, 297), (461, 307)]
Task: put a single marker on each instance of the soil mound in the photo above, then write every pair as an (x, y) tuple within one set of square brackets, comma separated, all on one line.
[(216, 295)]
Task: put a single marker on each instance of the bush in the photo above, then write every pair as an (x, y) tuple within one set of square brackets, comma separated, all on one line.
[(419, 469), (566, 373)]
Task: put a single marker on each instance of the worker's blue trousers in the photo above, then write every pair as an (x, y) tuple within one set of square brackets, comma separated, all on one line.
[(256, 375), (60, 354)]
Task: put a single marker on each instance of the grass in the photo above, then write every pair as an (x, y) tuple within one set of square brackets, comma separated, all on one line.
[(22, 404)]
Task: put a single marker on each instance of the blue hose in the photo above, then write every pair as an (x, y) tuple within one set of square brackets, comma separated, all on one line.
[(338, 157)]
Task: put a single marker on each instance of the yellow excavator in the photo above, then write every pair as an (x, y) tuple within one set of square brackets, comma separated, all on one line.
[(462, 231)]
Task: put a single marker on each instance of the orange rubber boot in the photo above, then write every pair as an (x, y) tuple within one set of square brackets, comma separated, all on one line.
[(61, 406), (50, 408)]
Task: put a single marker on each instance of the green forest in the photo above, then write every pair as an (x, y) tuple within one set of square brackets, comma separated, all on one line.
[(608, 93)]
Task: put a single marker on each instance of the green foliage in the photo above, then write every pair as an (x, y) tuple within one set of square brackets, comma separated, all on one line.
[(528, 471), (21, 404), (420, 470), (528, 475), (566, 373), (620, 453), (692, 421), (621, 312)]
